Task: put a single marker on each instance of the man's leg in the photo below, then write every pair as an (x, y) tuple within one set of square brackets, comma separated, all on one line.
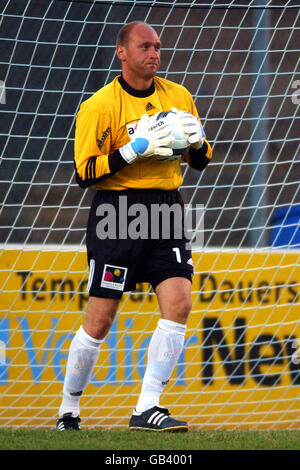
[(83, 355), (174, 297)]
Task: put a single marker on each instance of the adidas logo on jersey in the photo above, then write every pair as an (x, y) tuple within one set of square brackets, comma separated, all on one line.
[(149, 106)]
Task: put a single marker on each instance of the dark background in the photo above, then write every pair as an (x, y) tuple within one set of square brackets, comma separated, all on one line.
[(55, 54)]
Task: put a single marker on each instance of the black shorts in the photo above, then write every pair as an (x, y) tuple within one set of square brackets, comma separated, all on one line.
[(135, 236)]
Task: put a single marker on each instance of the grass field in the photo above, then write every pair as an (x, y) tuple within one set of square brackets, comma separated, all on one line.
[(24, 439)]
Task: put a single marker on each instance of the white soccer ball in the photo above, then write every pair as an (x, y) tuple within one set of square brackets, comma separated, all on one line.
[(181, 144)]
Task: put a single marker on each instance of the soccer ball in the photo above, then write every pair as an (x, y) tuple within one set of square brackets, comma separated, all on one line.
[(181, 145)]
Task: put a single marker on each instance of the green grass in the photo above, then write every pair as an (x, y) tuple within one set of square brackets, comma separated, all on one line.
[(36, 439)]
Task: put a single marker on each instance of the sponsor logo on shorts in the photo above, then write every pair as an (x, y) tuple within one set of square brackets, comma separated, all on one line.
[(113, 277)]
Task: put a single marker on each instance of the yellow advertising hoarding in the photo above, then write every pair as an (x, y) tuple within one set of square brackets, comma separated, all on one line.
[(239, 368)]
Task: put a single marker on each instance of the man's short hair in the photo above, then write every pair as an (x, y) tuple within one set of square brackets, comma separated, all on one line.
[(126, 30)]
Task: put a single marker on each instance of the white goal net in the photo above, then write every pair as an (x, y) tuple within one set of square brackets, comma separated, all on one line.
[(240, 367)]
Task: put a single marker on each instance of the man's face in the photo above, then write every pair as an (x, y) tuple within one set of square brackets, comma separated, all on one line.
[(141, 55)]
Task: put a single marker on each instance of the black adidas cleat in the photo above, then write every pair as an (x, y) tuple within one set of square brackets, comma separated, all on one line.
[(156, 419), (68, 422)]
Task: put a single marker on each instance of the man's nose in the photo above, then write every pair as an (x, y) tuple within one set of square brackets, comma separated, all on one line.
[(154, 52)]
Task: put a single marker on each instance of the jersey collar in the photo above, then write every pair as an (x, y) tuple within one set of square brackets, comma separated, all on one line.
[(133, 91)]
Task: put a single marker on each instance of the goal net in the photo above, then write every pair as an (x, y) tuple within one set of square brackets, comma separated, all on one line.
[(240, 364)]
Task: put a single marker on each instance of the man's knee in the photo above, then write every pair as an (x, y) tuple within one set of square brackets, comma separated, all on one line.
[(100, 316), (178, 310), (174, 296), (99, 325), (183, 308)]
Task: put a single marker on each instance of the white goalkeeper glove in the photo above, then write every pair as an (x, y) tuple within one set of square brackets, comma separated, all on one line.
[(148, 141), (192, 127)]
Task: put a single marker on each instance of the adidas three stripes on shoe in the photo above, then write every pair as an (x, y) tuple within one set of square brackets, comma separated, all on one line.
[(68, 422), (156, 419)]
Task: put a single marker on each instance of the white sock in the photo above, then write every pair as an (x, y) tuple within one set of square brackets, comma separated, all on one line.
[(83, 355), (163, 353)]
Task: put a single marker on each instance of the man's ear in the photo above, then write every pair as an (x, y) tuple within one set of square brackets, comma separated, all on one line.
[(121, 53)]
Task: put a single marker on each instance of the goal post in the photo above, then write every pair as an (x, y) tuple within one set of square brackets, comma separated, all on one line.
[(240, 367)]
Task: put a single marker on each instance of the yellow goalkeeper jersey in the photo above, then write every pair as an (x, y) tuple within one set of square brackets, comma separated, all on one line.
[(106, 121)]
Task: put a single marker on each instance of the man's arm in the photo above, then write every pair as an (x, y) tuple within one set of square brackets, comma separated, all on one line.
[(199, 158), (200, 152), (92, 173), (93, 160)]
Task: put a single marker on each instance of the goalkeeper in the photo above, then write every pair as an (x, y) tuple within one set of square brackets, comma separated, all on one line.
[(118, 153)]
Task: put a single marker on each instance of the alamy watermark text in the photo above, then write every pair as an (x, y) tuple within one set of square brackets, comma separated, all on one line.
[(157, 221)]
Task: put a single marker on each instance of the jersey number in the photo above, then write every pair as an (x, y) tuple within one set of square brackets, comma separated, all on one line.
[(177, 253)]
